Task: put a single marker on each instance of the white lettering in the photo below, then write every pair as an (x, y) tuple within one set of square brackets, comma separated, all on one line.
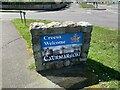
[(45, 37), (65, 56), (54, 43), (52, 37), (45, 59)]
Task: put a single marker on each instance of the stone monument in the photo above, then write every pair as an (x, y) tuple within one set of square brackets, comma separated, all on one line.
[(60, 44)]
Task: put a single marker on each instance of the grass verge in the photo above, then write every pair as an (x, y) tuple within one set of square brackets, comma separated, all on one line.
[(84, 5), (108, 3), (24, 30), (103, 53), (104, 50), (14, 11)]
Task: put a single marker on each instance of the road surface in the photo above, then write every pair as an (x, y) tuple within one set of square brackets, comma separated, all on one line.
[(106, 18), (0, 55)]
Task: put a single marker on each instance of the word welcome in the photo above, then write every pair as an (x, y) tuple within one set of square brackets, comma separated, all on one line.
[(54, 43)]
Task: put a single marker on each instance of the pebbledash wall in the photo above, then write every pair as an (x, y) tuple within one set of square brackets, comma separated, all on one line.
[(39, 30), (34, 7)]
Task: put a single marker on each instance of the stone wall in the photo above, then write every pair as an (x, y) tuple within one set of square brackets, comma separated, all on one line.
[(37, 29), (34, 7)]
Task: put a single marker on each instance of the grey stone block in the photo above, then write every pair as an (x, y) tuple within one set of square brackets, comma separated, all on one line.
[(75, 61), (53, 24), (47, 7), (36, 25), (50, 65), (83, 59), (36, 47), (85, 47), (39, 65), (84, 55), (38, 29), (66, 62), (59, 64)]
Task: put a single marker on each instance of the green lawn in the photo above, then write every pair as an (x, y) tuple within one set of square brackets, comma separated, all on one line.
[(108, 3), (103, 53), (12, 11), (24, 30), (104, 50), (84, 5)]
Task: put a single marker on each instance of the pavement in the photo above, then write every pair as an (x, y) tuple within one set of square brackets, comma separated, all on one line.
[(15, 61)]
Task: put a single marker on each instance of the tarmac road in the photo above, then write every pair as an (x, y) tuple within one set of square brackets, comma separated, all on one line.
[(105, 18), (0, 56)]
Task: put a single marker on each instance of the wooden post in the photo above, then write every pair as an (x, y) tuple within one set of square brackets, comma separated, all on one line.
[(21, 16), (24, 13)]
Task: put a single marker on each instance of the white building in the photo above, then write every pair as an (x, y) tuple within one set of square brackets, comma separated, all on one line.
[(97, 0)]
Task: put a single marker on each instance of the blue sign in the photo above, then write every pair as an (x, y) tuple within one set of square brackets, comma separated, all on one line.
[(61, 46)]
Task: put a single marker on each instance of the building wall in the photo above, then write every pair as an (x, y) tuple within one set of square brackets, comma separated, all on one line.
[(97, 0), (35, 7)]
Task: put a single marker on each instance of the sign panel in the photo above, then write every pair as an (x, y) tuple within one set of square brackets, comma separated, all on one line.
[(61, 46)]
